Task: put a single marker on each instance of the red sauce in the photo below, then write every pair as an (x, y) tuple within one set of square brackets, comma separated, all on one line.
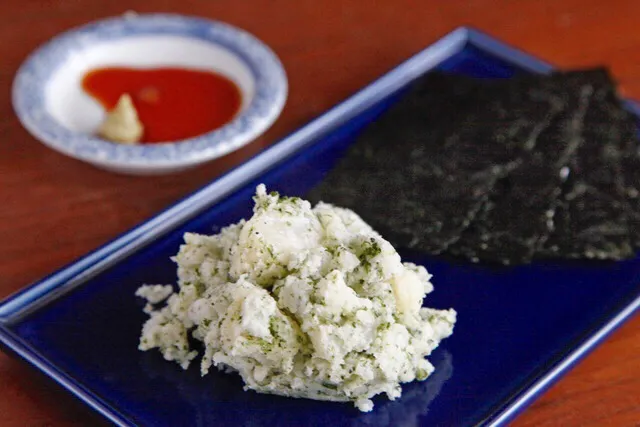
[(172, 103)]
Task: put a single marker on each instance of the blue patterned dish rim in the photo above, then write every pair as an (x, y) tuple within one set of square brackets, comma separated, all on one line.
[(265, 67)]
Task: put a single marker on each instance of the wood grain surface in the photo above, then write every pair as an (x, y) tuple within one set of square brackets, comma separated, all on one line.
[(54, 209)]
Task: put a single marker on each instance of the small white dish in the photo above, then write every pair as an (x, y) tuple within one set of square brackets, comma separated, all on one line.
[(49, 100)]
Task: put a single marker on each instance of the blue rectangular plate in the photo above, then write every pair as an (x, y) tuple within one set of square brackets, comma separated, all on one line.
[(519, 328)]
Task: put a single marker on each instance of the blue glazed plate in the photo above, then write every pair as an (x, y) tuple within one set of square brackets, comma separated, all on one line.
[(50, 103), (519, 328)]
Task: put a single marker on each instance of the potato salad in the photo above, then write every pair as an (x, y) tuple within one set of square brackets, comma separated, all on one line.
[(301, 301)]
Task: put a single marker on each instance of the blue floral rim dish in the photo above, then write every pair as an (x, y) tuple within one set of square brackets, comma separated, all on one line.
[(34, 78)]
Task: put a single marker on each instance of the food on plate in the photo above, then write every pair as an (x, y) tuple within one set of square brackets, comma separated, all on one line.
[(154, 293), (121, 124), (502, 170), (172, 103), (594, 215), (430, 165), (518, 215), (301, 302)]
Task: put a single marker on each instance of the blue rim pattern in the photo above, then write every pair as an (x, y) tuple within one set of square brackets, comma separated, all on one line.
[(269, 98)]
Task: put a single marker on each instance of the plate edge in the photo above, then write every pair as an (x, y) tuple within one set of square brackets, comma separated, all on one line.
[(509, 412)]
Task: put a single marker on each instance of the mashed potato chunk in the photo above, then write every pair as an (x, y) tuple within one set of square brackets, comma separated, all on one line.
[(301, 302)]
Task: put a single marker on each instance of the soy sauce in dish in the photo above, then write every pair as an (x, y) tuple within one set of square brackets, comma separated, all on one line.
[(172, 103)]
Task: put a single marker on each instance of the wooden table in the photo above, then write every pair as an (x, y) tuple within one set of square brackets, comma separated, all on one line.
[(54, 209)]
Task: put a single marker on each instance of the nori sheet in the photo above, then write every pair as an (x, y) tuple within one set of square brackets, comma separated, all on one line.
[(592, 217), (627, 125), (518, 216), (420, 174), (499, 171)]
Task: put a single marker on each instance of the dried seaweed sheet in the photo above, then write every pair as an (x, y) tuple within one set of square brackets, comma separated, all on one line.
[(518, 217), (592, 217), (499, 171), (383, 177), (420, 174), (627, 125), (631, 171)]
